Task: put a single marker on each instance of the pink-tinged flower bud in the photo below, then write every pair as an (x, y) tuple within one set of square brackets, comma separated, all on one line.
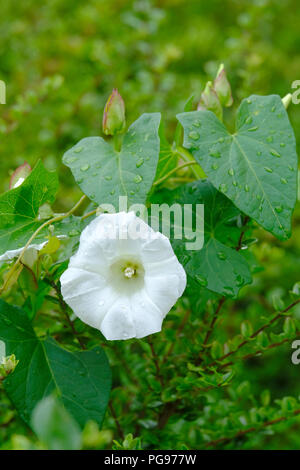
[(209, 100), (8, 365), (222, 87), (114, 114), (19, 175)]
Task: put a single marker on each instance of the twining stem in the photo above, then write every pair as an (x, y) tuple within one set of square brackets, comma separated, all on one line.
[(258, 352), (174, 170), (240, 242), (178, 332), (93, 212), (64, 309), (212, 323), (156, 361), (256, 333), (188, 157), (38, 230), (241, 433), (223, 299), (113, 413)]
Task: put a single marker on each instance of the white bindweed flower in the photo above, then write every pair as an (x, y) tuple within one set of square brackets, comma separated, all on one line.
[(11, 254), (30, 252), (124, 278)]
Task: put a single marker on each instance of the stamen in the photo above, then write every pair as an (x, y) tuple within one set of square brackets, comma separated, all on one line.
[(129, 272)]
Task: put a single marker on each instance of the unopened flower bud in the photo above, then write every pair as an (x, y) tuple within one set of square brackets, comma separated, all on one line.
[(286, 100), (209, 100), (222, 87), (19, 175), (114, 114), (8, 365)]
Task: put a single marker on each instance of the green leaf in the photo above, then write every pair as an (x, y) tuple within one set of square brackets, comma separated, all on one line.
[(104, 174), (256, 166), (217, 266), (82, 380), (246, 329), (289, 327), (19, 207), (54, 426)]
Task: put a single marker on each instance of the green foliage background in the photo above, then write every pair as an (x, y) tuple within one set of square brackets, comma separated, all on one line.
[(60, 60)]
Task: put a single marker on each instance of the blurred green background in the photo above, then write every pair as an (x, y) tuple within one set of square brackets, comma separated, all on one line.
[(61, 58)]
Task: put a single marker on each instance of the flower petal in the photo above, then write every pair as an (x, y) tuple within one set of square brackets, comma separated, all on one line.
[(117, 323), (87, 294), (146, 316)]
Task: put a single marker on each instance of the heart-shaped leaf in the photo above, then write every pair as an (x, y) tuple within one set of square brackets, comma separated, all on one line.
[(217, 266), (256, 166), (19, 207), (81, 379), (104, 174)]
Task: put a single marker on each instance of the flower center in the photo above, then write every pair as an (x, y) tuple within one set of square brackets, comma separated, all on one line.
[(129, 272)]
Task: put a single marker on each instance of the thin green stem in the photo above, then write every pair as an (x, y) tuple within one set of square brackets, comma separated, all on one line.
[(39, 229), (188, 157), (174, 170)]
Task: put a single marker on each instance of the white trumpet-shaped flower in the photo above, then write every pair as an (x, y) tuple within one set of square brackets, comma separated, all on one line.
[(124, 278)]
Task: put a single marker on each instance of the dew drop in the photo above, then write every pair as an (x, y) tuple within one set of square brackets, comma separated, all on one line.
[(108, 177), (221, 140), (231, 171), (197, 123), (258, 197), (291, 168), (283, 180), (252, 129), (249, 120), (132, 193), (273, 109), (73, 233), (139, 162), (234, 183), (282, 144), (249, 101), (215, 154), (78, 149), (258, 153), (215, 166), (276, 154), (222, 255), (71, 159), (269, 170), (85, 167), (137, 179), (270, 139), (279, 209), (246, 188), (194, 135), (223, 188), (201, 280), (112, 192)]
